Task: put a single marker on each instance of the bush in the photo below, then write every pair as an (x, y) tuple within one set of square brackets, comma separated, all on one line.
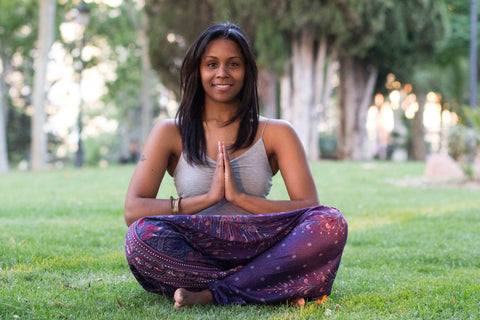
[(458, 140), (327, 144), (99, 149)]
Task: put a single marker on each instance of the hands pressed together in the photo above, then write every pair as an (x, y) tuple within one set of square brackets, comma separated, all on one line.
[(223, 183)]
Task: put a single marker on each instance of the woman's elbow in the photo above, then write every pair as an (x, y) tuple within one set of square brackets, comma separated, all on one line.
[(128, 213), (127, 217), (313, 202), (312, 199)]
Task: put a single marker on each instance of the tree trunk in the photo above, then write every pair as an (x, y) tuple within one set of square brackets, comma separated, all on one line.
[(267, 93), (418, 139), (147, 74), (46, 35), (319, 80), (357, 81), (130, 134), (318, 92), (286, 94), (303, 107), (3, 122), (332, 68), (141, 26)]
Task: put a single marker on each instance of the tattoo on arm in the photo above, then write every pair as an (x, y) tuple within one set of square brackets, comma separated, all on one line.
[(142, 158)]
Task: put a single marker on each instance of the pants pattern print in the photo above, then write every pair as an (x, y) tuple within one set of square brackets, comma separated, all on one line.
[(247, 259)]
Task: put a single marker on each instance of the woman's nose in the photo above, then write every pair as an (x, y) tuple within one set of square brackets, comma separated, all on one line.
[(222, 71)]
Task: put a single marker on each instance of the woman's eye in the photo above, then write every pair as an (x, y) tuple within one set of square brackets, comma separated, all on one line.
[(211, 64)]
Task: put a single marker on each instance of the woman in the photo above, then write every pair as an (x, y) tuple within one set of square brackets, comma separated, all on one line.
[(222, 241)]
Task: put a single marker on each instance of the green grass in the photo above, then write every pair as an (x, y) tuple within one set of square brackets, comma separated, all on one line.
[(413, 252)]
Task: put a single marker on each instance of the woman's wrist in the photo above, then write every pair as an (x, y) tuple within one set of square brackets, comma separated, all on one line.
[(213, 198), (195, 204), (237, 199)]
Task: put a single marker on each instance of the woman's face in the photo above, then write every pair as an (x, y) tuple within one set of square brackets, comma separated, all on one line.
[(222, 71)]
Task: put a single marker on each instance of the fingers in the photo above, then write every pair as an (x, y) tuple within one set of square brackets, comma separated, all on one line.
[(226, 158), (220, 169), (231, 190), (220, 156), (217, 188)]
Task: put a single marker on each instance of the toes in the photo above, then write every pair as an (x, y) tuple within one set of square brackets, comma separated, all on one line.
[(179, 298), (300, 302)]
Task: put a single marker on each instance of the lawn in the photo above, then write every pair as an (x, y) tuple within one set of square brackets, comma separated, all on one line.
[(413, 251)]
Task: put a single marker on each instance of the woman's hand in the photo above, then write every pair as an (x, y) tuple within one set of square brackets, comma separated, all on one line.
[(231, 189), (217, 188)]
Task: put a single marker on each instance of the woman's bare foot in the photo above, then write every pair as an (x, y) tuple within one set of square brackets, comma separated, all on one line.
[(299, 302), (185, 298)]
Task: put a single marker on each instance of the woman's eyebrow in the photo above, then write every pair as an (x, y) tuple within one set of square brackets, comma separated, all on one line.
[(233, 57)]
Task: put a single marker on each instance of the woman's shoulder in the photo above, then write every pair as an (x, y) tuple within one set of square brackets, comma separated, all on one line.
[(276, 126), (167, 127), (167, 123), (165, 133), (279, 135)]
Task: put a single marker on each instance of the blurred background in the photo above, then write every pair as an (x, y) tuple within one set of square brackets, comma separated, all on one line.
[(82, 83)]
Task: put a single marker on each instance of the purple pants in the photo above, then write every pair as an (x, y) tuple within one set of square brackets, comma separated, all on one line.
[(246, 259)]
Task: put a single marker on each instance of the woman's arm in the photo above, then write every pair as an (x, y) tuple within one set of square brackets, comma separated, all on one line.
[(163, 142), (280, 140)]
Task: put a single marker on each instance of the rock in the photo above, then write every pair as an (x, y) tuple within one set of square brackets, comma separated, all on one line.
[(442, 167)]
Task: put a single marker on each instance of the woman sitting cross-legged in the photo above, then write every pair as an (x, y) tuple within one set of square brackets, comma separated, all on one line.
[(222, 241)]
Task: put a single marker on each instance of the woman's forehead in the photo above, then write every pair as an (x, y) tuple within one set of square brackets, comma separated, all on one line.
[(220, 48)]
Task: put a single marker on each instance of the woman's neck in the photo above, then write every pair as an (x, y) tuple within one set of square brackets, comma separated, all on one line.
[(220, 112)]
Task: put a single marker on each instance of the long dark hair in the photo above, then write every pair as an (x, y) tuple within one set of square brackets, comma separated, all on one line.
[(192, 107)]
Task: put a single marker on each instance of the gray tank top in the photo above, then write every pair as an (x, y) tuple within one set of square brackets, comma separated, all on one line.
[(251, 169)]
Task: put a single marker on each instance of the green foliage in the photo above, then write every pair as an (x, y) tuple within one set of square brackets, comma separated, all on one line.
[(18, 26), (413, 32), (363, 24), (99, 148), (113, 26), (446, 69), (124, 92), (473, 116), (409, 253), (271, 45), (395, 34), (458, 43), (18, 136), (459, 138), (183, 19)]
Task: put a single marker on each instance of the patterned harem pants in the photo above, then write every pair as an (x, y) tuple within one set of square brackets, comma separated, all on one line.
[(246, 259)]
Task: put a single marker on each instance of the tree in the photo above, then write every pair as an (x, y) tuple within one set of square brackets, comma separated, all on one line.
[(306, 79), (46, 36), (117, 31), (440, 67), (392, 35), (3, 124), (366, 37), (17, 34), (450, 64), (140, 24)]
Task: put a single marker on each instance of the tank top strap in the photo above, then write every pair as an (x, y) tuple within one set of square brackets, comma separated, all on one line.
[(264, 126)]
